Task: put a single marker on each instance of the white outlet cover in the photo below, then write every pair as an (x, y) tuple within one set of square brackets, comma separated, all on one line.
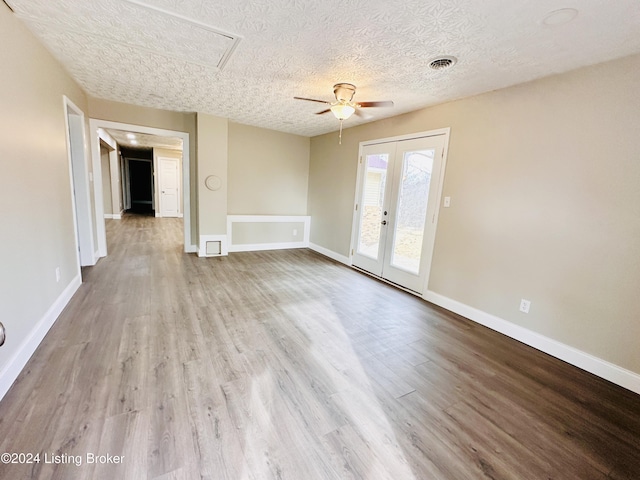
[(525, 305), (447, 202)]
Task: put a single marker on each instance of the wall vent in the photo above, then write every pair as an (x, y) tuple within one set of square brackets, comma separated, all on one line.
[(213, 248)]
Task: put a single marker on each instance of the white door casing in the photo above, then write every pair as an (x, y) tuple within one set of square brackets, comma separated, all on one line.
[(80, 183)]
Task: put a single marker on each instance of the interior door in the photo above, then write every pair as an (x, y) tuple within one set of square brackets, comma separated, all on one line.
[(169, 182), (399, 188)]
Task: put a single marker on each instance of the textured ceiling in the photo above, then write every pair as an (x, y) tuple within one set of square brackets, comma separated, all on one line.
[(144, 140), (122, 51)]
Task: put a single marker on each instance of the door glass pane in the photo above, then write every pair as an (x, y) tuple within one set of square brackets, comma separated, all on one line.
[(372, 200), (412, 209)]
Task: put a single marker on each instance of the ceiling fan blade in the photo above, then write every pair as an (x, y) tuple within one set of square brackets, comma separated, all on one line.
[(323, 111), (387, 103), (361, 114), (311, 100)]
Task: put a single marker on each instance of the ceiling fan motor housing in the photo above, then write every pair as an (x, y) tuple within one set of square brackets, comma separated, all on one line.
[(344, 92)]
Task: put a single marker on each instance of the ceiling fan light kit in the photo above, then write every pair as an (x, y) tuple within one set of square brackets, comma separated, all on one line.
[(344, 106), (342, 111)]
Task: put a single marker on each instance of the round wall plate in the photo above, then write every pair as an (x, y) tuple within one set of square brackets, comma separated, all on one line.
[(212, 182)]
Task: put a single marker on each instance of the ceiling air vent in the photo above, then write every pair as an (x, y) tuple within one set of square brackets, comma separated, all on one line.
[(442, 63)]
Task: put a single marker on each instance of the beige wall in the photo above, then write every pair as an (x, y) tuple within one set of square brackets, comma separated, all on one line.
[(267, 232), (268, 172), (37, 233), (212, 152), (143, 116), (544, 180)]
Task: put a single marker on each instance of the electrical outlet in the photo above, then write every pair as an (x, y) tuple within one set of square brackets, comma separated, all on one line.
[(57, 274), (447, 202), (525, 305)]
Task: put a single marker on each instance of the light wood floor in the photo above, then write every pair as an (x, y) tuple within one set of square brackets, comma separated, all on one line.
[(286, 365)]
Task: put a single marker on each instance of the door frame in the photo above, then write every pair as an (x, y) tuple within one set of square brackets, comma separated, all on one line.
[(94, 125), (114, 173), (358, 192), (127, 162), (80, 183)]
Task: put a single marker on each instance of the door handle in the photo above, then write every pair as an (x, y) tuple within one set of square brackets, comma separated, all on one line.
[(383, 222)]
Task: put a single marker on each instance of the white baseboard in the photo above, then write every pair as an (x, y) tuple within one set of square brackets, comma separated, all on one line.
[(181, 215), (112, 216), (599, 367), (14, 366), (330, 253)]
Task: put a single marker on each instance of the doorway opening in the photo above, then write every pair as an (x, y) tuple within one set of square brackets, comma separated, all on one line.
[(157, 137), (138, 173)]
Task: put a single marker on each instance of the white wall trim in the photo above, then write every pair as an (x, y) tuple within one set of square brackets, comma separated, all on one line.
[(256, 247), (108, 139), (112, 216), (409, 136), (331, 254), (202, 246), (14, 366), (304, 243), (599, 367)]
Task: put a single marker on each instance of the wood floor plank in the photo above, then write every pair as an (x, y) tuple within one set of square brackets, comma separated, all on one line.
[(287, 365)]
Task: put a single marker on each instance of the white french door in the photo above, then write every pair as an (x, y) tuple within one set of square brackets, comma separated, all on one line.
[(396, 210)]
